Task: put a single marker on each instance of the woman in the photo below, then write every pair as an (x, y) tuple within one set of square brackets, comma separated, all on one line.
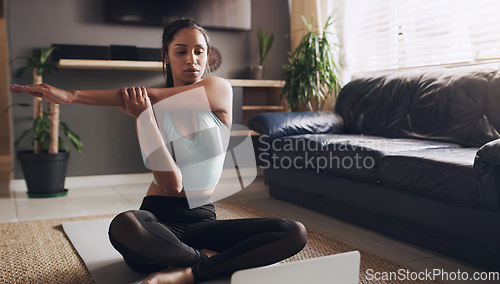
[(187, 245)]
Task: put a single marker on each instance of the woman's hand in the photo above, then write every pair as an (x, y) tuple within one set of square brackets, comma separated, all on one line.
[(46, 92), (136, 101)]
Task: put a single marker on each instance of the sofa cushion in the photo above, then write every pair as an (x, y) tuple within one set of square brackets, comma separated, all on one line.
[(457, 105), (275, 125), (487, 167), (446, 175), (291, 151), (351, 156)]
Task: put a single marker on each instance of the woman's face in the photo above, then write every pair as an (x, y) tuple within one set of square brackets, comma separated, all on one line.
[(187, 56)]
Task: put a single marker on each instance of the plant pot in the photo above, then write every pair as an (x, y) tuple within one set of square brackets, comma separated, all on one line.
[(44, 173), (256, 72)]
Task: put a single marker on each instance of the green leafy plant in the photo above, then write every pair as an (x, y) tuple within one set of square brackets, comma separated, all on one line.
[(39, 61), (312, 74), (45, 128), (265, 43), (41, 133)]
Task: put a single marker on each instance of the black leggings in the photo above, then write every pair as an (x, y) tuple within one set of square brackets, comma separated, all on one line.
[(165, 232)]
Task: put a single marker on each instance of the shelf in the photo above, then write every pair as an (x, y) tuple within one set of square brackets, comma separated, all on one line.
[(263, 108), (244, 133), (256, 83), (110, 64), (259, 95), (151, 66)]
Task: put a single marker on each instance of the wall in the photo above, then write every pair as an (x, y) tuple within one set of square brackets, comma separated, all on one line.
[(5, 121), (111, 146)]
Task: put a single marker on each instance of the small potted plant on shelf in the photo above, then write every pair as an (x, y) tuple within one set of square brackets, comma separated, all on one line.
[(265, 43), (44, 167), (311, 75)]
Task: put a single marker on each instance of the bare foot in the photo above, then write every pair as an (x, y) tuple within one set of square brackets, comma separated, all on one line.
[(172, 275), (208, 252)]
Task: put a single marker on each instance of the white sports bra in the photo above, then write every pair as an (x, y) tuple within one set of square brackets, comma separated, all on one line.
[(200, 159)]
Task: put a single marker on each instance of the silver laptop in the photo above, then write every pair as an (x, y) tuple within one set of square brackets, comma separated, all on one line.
[(339, 268)]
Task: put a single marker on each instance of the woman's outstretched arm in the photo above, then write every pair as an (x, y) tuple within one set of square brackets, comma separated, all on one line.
[(111, 97), (218, 92)]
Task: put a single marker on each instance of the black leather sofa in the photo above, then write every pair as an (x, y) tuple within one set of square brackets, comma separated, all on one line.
[(414, 155)]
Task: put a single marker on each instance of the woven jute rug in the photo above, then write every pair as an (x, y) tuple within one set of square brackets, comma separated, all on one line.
[(40, 252)]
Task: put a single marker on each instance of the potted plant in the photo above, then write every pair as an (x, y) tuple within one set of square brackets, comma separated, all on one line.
[(311, 75), (265, 43), (44, 167)]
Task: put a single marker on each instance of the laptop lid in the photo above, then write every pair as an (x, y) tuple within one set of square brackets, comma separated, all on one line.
[(340, 268)]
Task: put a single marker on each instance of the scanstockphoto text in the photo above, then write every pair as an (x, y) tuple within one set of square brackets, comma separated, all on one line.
[(275, 154), (404, 274)]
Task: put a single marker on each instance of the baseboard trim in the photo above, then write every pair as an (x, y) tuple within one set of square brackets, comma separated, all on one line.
[(106, 180), (94, 180)]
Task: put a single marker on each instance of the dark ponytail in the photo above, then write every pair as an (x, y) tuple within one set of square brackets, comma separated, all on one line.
[(168, 34)]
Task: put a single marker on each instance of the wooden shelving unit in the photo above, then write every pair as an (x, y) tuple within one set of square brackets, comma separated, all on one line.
[(244, 133), (258, 96)]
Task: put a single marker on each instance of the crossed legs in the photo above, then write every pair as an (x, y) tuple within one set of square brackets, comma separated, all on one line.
[(201, 247)]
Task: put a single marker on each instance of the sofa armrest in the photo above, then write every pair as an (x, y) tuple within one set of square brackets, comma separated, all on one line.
[(281, 124), (487, 168)]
